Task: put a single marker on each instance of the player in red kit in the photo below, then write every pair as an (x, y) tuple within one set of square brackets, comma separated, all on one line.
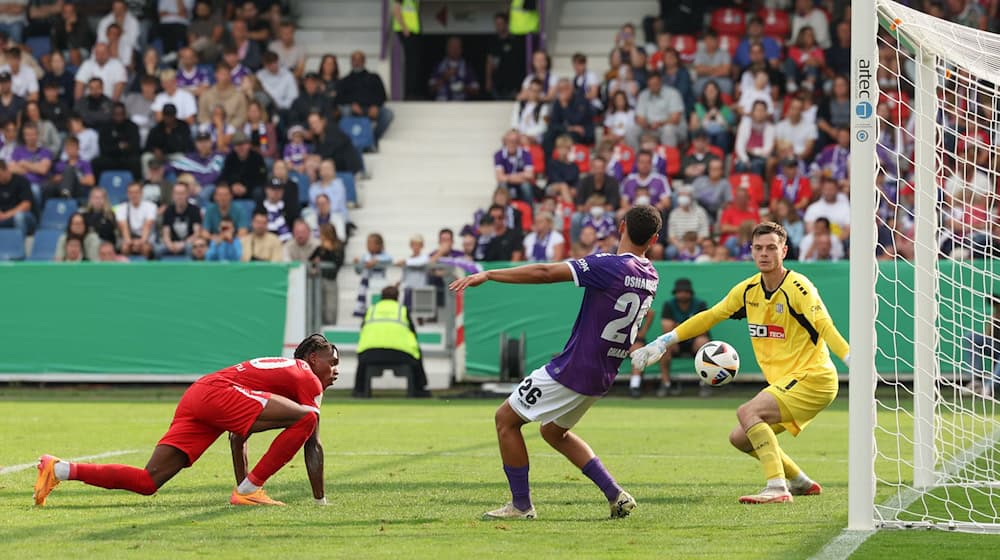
[(253, 396)]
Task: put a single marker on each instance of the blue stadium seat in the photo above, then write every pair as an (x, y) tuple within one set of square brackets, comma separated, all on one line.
[(303, 183), (45, 245), (116, 183), (348, 179), (39, 46), (360, 131), (247, 206), (11, 245), (57, 212)]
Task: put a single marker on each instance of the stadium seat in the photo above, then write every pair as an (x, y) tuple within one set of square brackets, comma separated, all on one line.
[(729, 21), (352, 191), (581, 157), (39, 46), (729, 43), (538, 159), (714, 150), (754, 185), (246, 205), (57, 212), (302, 182), (776, 23), (11, 245), (527, 217), (625, 154), (673, 157), (686, 46), (116, 183), (44, 248), (360, 131)]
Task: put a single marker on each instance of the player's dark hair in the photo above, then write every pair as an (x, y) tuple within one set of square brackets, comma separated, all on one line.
[(312, 343), (765, 228), (642, 222)]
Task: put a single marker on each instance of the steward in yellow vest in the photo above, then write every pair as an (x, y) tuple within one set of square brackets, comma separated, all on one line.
[(387, 339)]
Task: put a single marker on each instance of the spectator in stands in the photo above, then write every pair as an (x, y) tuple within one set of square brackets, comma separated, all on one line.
[(806, 14), (586, 245), (118, 48), (169, 138), (504, 60), (8, 141), (14, 18), (637, 66), (371, 265), (218, 130), (71, 34), (181, 224), (23, 80), (771, 49), (362, 94), (260, 244), (182, 100), (302, 245), (514, 168), (206, 32), (570, 115), (676, 76), (156, 188), (821, 249), (541, 70), (832, 205), (296, 150), (712, 191), (16, 201), (95, 107), (597, 182), (111, 72), (191, 77), (598, 216), (31, 159), (311, 99), (660, 110), (530, 115), (223, 209), (204, 163), (318, 216), (834, 160), (562, 174), (585, 82), (795, 130), (175, 16), (149, 66), (329, 142), (125, 21), (329, 74), (244, 169), (544, 244), (225, 246), (136, 220), (754, 140), (328, 258), (290, 56), (712, 64), (792, 185), (71, 175), (644, 185), (260, 25), (501, 198), (280, 216), (738, 211), (52, 107), (333, 188), (695, 163), (619, 121), (246, 51), (414, 269), (834, 112), (139, 106), (100, 217), (755, 86), (223, 93), (48, 136), (838, 56), (11, 105), (786, 215), (278, 82), (453, 78), (119, 143), (505, 243), (73, 251), (805, 62), (687, 216), (106, 253)]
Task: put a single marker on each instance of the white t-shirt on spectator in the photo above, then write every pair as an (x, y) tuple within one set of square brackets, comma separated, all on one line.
[(980, 184), (546, 87), (136, 217), (90, 146), (620, 122), (23, 83), (289, 57), (796, 134), (816, 19), (112, 74), (555, 239), (523, 119), (280, 86), (186, 104), (836, 247), (169, 14), (839, 212), (130, 28)]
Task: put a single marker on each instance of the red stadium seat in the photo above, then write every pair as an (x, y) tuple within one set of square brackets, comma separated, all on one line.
[(776, 23), (625, 154), (538, 159), (714, 150), (673, 157), (581, 157), (729, 43), (686, 46), (729, 21), (754, 185), (527, 220)]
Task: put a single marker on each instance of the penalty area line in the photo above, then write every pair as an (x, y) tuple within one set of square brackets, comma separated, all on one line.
[(25, 466)]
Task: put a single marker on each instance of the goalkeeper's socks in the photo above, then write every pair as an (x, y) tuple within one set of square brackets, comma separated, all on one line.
[(61, 469), (595, 471), (247, 487), (765, 443), (520, 492), (635, 382)]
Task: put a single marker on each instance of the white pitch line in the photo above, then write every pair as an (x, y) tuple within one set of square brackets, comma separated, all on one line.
[(843, 545), (543, 454), (25, 466)]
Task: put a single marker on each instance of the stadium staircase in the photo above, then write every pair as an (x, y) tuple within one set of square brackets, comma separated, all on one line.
[(340, 27), (589, 27)]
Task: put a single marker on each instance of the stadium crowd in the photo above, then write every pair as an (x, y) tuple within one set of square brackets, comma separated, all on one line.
[(177, 130)]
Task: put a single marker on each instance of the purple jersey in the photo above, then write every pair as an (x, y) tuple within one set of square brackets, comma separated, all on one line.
[(296, 153), (657, 185), (81, 168), (512, 163), (194, 79), (604, 226), (23, 153), (618, 291)]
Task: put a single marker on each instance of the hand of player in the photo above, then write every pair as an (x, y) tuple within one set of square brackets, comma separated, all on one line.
[(470, 281), (649, 354)]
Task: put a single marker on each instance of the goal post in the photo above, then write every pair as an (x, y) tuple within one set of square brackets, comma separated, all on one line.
[(925, 263)]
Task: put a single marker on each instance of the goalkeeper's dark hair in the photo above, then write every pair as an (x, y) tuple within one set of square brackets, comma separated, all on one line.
[(642, 222), (312, 343), (765, 228)]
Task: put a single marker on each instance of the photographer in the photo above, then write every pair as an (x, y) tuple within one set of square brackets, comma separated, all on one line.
[(226, 247)]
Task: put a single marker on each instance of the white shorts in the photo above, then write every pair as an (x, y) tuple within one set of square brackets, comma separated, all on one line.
[(539, 398)]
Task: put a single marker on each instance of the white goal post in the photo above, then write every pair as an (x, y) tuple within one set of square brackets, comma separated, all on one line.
[(925, 263)]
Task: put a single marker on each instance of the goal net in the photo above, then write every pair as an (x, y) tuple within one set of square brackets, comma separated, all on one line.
[(929, 125)]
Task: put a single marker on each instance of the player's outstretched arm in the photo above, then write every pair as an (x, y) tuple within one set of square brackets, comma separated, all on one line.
[(698, 324), (527, 274), (238, 447), (313, 452)]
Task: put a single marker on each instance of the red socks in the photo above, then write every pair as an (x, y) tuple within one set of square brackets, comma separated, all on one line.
[(283, 448), (114, 477)]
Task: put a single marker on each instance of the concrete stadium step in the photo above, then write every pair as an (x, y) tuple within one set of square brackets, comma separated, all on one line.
[(597, 13), (588, 41), (371, 22), (350, 10)]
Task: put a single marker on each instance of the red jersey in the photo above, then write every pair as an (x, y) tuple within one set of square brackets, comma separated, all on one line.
[(290, 378)]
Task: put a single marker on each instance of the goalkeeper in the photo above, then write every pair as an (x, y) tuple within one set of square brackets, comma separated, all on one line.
[(789, 330)]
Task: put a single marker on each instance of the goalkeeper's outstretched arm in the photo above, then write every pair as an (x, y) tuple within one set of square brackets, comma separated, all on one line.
[(691, 328)]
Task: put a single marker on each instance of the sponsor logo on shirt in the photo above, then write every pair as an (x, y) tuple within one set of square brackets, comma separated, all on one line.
[(584, 267), (766, 331)]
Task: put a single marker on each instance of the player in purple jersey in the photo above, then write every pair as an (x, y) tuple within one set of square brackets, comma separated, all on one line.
[(618, 291)]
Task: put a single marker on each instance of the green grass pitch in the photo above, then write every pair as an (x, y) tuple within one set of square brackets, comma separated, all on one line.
[(410, 479)]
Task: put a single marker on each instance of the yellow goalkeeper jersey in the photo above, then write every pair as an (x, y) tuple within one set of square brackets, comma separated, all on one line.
[(790, 328)]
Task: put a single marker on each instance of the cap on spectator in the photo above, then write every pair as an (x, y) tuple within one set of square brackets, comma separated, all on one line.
[(276, 183), (295, 129), (240, 138), (4, 76), (170, 110), (467, 230), (202, 136), (313, 76), (683, 285)]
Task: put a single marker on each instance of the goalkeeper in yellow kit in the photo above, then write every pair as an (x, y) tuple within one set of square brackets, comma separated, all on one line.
[(790, 330)]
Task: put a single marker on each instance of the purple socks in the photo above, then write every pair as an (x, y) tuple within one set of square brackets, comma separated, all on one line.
[(596, 472), (517, 478)]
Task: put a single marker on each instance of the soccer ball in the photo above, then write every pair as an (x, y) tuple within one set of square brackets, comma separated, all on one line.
[(717, 363)]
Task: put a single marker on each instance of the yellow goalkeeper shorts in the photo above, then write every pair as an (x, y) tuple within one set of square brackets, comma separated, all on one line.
[(801, 396)]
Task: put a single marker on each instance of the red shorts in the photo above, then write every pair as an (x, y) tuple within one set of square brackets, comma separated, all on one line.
[(207, 410)]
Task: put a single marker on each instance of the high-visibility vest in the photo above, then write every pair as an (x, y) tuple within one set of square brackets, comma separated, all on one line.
[(387, 327), (410, 11), (522, 22)]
